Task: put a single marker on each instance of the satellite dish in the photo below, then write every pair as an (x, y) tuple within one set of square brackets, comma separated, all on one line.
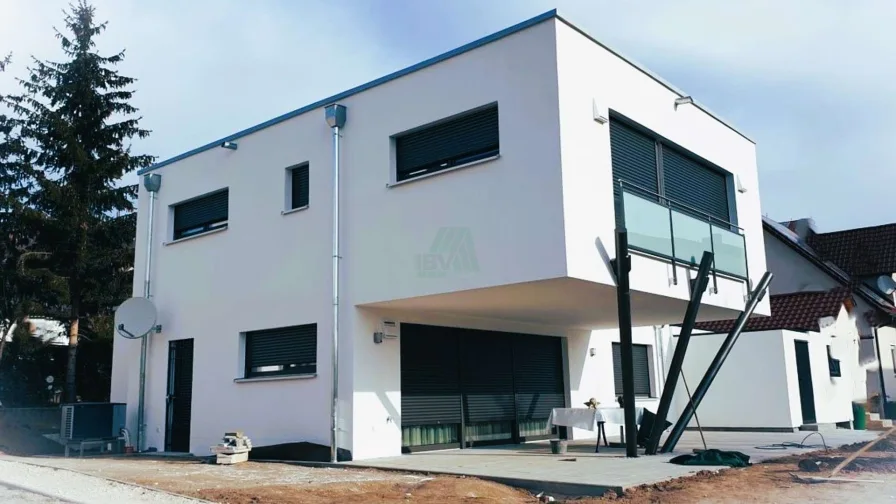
[(135, 318), (886, 284)]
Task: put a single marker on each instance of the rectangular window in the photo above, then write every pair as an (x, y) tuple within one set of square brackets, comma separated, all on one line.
[(462, 139), (641, 364), (201, 214), (648, 165), (282, 351), (893, 356), (298, 182), (833, 364)]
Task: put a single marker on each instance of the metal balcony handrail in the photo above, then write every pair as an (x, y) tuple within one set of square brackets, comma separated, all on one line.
[(672, 205), (685, 206)]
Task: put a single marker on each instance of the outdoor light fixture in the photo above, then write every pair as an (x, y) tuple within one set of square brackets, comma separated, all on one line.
[(684, 100), (598, 112), (229, 145), (592, 351)]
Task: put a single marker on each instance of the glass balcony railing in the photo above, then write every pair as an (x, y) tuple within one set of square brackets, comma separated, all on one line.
[(659, 226)]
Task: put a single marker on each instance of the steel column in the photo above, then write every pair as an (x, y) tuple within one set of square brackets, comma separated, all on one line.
[(624, 304), (687, 327), (716, 364)]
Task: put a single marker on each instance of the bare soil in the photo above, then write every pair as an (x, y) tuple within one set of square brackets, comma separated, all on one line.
[(269, 483)]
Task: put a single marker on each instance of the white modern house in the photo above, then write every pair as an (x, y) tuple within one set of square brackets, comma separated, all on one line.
[(478, 193)]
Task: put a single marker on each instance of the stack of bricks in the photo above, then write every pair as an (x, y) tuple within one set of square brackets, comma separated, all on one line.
[(233, 449)]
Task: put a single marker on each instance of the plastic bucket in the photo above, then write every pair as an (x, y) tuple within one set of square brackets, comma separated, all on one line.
[(858, 416), (558, 446)]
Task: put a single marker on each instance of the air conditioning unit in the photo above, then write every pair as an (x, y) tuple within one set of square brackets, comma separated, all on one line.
[(92, 420)]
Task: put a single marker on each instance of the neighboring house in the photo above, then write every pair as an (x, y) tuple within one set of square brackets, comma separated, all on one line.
[(798, 368), (865, 260), (479, 193)]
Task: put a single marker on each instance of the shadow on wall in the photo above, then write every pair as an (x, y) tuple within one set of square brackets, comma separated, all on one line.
[(577, 343)]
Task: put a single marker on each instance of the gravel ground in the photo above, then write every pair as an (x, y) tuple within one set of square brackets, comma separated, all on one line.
[(28, 483)]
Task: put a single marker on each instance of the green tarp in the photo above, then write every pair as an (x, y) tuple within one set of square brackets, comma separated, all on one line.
[(714, 458)]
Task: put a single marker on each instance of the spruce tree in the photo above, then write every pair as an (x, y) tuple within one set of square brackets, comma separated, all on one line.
[(77, 123)]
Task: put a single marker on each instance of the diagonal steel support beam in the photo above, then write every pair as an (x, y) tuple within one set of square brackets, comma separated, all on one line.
[(716, 364), (687, 327)]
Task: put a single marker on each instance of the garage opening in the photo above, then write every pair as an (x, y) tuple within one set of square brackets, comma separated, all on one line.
[(464, 387)]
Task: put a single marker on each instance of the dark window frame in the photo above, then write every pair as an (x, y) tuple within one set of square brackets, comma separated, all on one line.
[(305, 368), (618, 391), (487, 115), (833, 365), (180, 232), (302, 170)]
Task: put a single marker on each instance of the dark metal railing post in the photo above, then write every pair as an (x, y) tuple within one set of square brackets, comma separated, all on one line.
[(712, 248), (624, 304), (672, 237), (687, 327), (716, 363)]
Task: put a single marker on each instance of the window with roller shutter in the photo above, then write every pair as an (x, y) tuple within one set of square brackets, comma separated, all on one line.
[(649, 165), (641, 361), (282, 351), (465, 138), (202, 214), (298, 185)]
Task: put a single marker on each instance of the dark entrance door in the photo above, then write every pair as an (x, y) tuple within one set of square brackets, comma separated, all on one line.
[(804, 376), (180, 395)]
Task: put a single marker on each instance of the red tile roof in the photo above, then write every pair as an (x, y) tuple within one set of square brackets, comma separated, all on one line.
[(799, 311), (860, 252)]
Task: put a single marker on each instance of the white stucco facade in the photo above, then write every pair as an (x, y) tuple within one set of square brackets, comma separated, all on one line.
[(539, 216)]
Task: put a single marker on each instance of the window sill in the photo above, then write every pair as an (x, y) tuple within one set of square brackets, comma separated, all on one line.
[(193, 237), (442, 172), (294, 210), (275, 378)]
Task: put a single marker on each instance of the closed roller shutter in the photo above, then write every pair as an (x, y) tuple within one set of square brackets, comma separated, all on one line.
[(634, 161), (537, 376), (456, 141), (695, 184), (201, 214), (430, 381), (299, 186), (282, 351), (487, 377), (641, 364)]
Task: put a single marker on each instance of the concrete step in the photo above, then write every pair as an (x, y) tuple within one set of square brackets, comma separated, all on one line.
[(820, 427)]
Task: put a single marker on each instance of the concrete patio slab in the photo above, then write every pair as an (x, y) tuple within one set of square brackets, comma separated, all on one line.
[(582, 472)]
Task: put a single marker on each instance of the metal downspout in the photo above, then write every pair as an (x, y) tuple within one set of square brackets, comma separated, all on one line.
[(335, 115), (880, 376), (152, 183)]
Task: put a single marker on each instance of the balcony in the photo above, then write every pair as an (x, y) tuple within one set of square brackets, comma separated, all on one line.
[(665, 228)]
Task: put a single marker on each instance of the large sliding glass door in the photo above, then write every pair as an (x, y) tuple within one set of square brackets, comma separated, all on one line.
[(463, 387)]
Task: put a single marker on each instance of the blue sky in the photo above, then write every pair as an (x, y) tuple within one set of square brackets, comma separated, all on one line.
[(813, 86)]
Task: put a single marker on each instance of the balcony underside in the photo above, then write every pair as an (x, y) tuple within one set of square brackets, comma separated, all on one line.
[(565, 302)]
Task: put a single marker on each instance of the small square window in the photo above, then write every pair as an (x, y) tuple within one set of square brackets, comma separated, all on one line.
[(298, 178), (833, 365)]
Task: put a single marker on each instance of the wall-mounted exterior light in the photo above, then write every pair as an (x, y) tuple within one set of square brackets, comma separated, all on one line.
[(684, 100), (229, 145)]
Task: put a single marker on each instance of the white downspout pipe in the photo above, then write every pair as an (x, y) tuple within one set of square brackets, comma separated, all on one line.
[(152, 183), (335, 115)]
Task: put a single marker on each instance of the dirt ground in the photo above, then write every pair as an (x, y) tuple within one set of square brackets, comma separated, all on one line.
[(269, 483)]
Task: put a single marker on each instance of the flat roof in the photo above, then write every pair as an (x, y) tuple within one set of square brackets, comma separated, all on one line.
[(551, 14)]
